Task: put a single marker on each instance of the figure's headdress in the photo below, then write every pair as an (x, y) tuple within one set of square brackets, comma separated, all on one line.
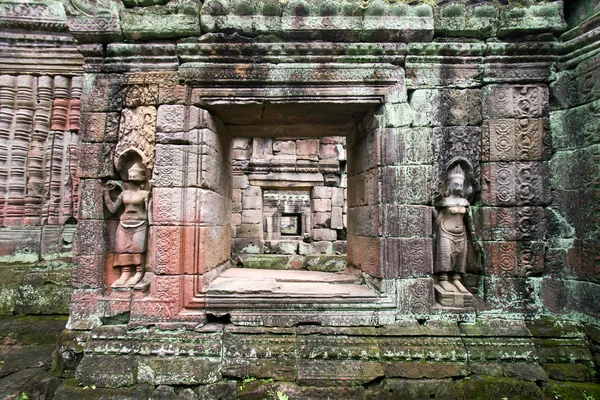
[(456, 171)]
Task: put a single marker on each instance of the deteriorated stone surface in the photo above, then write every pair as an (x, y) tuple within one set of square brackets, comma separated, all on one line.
[(339, 120)]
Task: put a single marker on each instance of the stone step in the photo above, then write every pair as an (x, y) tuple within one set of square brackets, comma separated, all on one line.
[(288, 276)]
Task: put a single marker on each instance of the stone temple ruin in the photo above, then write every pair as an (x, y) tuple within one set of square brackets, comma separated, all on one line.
[(312, 198)]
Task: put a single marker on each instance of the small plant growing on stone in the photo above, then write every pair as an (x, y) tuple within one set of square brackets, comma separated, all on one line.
[(281, 396), (23, 396), (588, 396)]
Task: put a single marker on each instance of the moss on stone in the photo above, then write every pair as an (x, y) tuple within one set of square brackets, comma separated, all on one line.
[(488, 387)]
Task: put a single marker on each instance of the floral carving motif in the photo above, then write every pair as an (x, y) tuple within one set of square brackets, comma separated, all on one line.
[(137, 131)]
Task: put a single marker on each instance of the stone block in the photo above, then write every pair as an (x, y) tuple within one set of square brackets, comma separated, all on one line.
[(446, 107), (332, 152), (408, 258), (525, 139), (10, 280), (510, 223), (416, 296), (249, 231), (321, 220), (96, 160), (461, 20), (515, 101), (421, 73), (321, 205), (364, 221), (107, 370), (326, 263), (176, 166), (90, 238), (240, 182), (99, 127), (45, 289), (171, 118), (165, 23), (337, 220), (482, 384), (104, 92), (286, 247), (514, 258), (337, 372), (91, 205), (365, 154), (187, 370), (515, 184), (407, 221), (577, 86), (364, 253), (324, 234), (252, 216), (500, 349), (408, 146), (364, 189), (240, 143), (307, 149), (516, 295), (182, 206), (458, 141), (398, 22), (219, 390), (422, 349), (88, 271), (340, 247), (398, 115), (321, 248), (262, 148), (406, 185), (284, 147), (537, 18), (251, 245), (250, 202), (337, 197), (239, 154), (176, 250), (321, 192)]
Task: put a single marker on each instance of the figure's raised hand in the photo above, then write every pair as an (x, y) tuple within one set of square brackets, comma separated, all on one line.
[(112, 185)]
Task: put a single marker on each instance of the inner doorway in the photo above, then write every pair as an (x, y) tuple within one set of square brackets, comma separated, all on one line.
[(290, 215)]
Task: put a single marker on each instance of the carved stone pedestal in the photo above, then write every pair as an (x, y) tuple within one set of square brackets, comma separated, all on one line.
[(452, 299)]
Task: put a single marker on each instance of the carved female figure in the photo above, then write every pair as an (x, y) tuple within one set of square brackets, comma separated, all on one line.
[(451, 215), (130, 241)]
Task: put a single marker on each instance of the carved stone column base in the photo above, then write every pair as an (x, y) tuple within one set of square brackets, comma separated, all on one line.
[(452, 299)]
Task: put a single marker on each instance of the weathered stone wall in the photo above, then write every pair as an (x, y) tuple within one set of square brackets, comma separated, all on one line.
[(412, 87), (573, 249), (40, 90)]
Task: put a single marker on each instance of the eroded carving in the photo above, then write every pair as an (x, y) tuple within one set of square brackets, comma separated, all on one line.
[(453, 222), (133, 195)]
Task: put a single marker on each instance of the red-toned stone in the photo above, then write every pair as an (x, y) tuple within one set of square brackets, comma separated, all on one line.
[(92, 204), (88, 272), (307, 149), (515, 184), (364, 253), (181, 206), (90, 238), (364, 221), (96, 160)]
